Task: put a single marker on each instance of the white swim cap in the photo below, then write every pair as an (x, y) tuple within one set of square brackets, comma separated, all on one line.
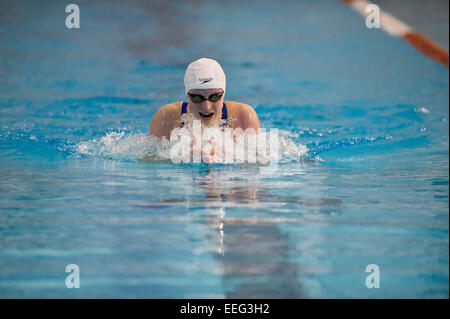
[(204, 74)]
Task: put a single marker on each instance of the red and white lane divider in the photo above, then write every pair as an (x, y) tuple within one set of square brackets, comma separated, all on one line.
[(397, 28)]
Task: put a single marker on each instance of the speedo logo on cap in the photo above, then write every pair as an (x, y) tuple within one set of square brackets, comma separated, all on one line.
[(205, 80)]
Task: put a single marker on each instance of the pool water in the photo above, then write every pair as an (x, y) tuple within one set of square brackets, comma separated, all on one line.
[(363, 177)]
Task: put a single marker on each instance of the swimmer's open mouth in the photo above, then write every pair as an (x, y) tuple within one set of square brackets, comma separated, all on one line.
[(206, 116)]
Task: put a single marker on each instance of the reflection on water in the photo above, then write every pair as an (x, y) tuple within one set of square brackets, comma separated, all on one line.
[(256, 261), (253, 251)]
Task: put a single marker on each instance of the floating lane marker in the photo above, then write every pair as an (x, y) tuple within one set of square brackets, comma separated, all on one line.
[(397, 28)]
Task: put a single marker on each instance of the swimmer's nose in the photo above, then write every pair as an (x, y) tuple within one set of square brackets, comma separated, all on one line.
[(207, 106)]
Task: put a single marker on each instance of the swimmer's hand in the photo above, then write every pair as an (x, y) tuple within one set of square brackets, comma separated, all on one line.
[(207, 150), (208, 153)]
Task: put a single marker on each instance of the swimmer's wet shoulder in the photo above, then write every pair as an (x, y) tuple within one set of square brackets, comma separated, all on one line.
[(243, 114), (165, 119)]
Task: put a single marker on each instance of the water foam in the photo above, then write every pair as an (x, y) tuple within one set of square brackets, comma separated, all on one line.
[(120, 145)]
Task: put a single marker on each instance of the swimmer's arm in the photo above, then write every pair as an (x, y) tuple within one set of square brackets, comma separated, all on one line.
[(163, 121), (248, 119)]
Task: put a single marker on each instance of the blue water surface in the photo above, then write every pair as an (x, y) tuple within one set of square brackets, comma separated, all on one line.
[(75, 106)]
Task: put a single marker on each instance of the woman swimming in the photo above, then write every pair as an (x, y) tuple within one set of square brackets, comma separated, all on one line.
[(205, 84)]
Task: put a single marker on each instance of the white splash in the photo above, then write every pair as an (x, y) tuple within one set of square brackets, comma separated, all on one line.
[(423, 110), (128, 146)]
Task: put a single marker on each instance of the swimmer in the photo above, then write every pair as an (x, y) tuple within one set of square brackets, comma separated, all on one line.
[(205, 84)]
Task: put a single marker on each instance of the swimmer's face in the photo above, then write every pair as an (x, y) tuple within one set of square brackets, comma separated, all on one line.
[(207, 111)]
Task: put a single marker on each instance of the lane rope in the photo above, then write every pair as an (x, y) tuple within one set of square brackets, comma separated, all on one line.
[(398, 28)]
